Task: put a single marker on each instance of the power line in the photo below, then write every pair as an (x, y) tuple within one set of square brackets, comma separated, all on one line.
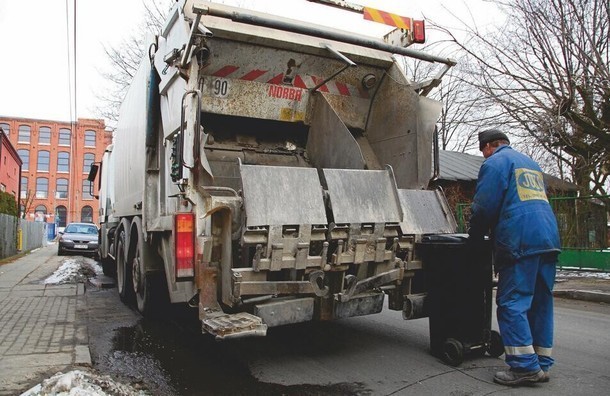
[(72, 146), (68, 62), (75, 85), (72, 106)]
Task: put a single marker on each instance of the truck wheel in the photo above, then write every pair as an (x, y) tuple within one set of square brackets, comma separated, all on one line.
[(109, 267), (142, 281), (453, 352), (496, 346), (123, 266)]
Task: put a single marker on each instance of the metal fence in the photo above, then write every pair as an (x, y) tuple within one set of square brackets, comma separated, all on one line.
[(8, 235), (33, 234), (19, 235), (583, 229)]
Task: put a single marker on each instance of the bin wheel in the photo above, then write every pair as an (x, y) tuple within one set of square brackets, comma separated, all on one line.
[(496, 346), (453, 352)]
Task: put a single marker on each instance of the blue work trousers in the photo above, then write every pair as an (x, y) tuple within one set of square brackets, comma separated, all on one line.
[(525, 312)]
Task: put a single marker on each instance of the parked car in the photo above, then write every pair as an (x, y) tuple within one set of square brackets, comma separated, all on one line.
[(80, 238)]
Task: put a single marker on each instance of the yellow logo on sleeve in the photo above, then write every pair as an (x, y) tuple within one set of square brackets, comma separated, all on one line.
[(530, 184)]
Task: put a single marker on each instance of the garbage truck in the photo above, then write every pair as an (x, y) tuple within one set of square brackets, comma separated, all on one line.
[(266, 171)]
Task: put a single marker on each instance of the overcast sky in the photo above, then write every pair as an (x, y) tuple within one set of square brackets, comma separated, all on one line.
[(34, 34)]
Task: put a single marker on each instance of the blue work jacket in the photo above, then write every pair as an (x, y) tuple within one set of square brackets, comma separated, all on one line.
[(511, 201)]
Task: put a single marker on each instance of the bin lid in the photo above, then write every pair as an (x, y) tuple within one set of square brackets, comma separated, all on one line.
[(445, 238)]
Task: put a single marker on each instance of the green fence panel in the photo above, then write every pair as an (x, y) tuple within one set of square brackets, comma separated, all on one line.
[(596, 259)]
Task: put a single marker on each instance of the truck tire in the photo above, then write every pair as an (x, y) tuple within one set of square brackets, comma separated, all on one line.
[(123, 267), (140, 279), (109, 267), (148, 282)]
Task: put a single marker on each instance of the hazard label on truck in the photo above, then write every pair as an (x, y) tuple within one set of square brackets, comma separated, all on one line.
[(280, 90)]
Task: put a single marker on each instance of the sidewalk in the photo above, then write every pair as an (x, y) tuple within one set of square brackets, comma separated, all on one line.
[(582, 288), (39, 332)]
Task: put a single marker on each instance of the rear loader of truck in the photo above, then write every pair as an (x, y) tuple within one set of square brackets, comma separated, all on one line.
[(268, 172)]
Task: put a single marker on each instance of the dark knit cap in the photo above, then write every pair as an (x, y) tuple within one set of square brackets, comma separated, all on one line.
[(489, 136)]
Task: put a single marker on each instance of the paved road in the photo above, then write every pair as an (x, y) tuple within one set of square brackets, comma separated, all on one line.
[(374, 355)]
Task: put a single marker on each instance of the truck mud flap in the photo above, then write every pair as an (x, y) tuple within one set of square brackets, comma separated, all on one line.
[(363, 196), (236, 325), (425, 212), (276, 195)]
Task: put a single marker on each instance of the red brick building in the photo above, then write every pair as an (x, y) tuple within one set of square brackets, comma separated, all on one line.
[(56, 159), (10, 166)]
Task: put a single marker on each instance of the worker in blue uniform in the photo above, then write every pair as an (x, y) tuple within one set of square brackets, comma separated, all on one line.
[(511, 201)]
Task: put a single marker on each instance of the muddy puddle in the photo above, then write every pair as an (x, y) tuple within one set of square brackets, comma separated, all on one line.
[(173, 358)]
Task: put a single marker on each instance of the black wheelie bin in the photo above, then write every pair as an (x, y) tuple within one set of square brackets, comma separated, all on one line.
[(458, 282)]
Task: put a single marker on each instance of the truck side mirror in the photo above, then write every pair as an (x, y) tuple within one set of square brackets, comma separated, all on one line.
[(93, 172)]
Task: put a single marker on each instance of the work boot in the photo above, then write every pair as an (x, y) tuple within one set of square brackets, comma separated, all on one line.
[(546, 377), (516, 378)]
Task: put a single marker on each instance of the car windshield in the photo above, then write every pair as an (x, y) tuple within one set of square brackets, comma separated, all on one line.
[(80, 229)]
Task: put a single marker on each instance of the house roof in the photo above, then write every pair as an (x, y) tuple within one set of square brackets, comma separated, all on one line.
[(456, 166)]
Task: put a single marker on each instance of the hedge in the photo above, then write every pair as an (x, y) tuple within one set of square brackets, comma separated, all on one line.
[(8, 204)]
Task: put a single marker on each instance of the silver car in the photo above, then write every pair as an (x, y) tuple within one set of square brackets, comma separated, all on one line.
[(80, 238)]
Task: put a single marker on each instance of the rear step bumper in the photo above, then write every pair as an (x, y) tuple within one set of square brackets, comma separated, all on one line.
[(236, 325)]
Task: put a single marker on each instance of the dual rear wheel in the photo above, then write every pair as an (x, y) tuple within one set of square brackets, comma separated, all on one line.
[(140, 278)]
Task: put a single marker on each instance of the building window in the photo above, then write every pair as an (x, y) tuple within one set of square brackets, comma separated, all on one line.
[(88, 160), (61, 216), (40, 213), (25, 158), (42, 187), (24, 134), (63, 161), (89, 138), (86, 214), (87, 189), (24, 187), (61, 192), (43, 161), (44, 135), (6, 128), (64, 137)]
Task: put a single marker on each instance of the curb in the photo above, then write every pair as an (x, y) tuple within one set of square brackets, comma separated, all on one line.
[(585, 295), (82, 356), (102, 282)]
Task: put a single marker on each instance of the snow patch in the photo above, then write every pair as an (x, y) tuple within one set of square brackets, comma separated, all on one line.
[(82, 383), (582, 274), (74, 270)]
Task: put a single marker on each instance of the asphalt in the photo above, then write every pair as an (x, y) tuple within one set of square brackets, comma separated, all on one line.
[(43, 327)]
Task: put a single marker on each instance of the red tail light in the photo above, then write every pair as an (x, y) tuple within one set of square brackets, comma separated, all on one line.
[(185, 245), (419, 32)]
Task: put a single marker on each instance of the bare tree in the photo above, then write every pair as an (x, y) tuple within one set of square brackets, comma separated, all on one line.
[(460, 117), (26, 202), (547, 73), (125, 58)]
